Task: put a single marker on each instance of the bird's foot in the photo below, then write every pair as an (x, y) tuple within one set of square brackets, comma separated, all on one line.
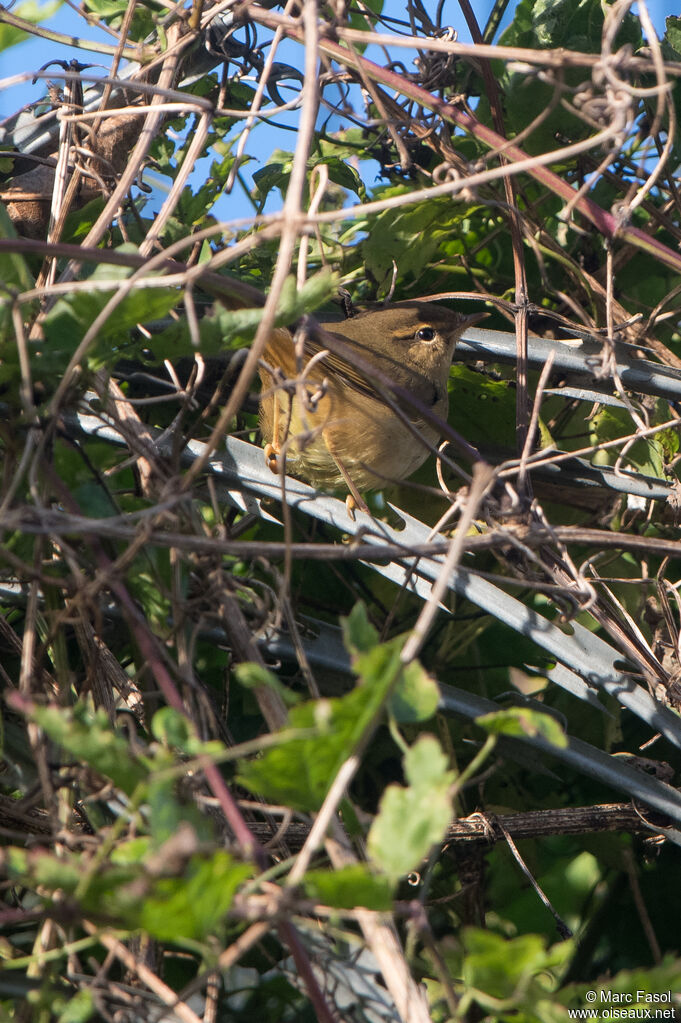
[(272, 458), (354, 501)]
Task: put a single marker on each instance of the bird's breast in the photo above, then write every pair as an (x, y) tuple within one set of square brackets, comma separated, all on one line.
[(323, 420)]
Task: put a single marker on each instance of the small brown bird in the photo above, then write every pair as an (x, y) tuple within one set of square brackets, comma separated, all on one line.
[(330, 417)]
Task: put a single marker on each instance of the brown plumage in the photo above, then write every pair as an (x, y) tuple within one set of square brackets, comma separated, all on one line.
[(332, 419)]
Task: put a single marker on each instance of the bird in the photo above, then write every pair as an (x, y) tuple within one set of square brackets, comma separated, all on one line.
[(331, 411)]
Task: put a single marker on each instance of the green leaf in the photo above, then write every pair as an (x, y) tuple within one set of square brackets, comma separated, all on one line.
[(12, 266), (653, 988), (483, 410), (574, 24), (416, 695), (169, 808), (519, 969), (299, 771), (173, 898), (358, 19), (551, 24), (381, 666), (412, 819), (407, 236), (42, 869), (359, 635), (348, 888), (176, 731), (79, 222), (546, 439), (172, 728), (317, 290), (426, 766), (29, 11), (194, 906), (274, 175), (673, 34), (132, 851), (253, 676), (93, 500), (609, 424), (70, 318), (521, 722), (79, 1008), (343, 174), (232, 325), (90, 738), (144, 20)]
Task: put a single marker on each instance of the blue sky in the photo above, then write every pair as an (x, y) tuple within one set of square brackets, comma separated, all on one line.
[(32, 54)]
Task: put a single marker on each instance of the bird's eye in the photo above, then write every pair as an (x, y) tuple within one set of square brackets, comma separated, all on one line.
[(425, 334)]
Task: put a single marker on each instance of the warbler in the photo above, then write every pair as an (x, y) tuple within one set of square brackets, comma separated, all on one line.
[(332, 413)]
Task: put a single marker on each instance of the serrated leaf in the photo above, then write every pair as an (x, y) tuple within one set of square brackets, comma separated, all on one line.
[(232, 324), (381, 665), (93, 500), (358, 20), (132, 851), (609, 424), (343, 174), (69, 319), (426, 765), (406, 236), (299, 771), (44, 870), (193, 906), (171, 727)]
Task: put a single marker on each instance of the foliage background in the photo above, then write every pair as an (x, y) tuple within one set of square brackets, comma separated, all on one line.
[(166, 604)]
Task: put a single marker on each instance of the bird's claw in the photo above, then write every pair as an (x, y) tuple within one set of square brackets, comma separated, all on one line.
[(271, 459)]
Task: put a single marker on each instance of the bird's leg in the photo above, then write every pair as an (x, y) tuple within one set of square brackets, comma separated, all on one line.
[(351, 503), (273, 450), (354, 498)]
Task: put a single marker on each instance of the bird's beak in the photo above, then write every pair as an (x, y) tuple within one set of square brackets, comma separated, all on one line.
[(470, 321)]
